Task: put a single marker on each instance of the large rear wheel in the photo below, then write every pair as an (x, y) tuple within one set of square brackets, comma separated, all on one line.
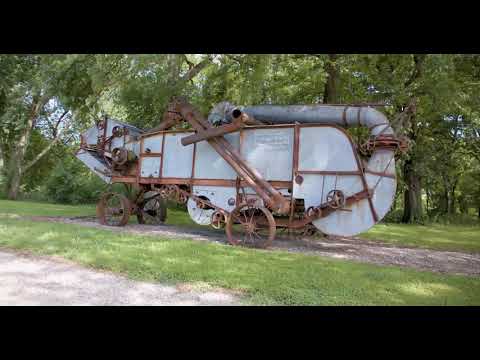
[(114, 209), (250, 226)]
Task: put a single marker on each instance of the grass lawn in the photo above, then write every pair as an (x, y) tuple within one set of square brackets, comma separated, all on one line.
[(265, 277), (440, 237), (30, 208), (437, 237)]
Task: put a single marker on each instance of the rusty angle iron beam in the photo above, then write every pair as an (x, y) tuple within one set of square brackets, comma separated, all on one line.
[(213, 132), (254, 179)]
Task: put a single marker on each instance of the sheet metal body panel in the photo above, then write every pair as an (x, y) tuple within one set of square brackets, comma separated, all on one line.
[(209, 165), (177, 159), (270, 151), (218, 195), (91, 135), (153, 144), (122, 140), (150, 167), (133, 146), (382, 161), (325, 149), (94, 164), (329, 149)]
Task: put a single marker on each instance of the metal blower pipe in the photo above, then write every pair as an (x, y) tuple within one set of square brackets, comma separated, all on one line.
[(344, 116)]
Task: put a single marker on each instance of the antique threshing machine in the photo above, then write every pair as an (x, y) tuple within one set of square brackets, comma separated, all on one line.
[(251, 170)]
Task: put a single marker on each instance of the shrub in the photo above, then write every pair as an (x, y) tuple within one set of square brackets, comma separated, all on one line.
[(70, 182)]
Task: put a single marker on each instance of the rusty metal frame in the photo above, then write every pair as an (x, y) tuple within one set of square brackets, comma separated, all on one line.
[(198, 182), (326, 172), (225, 149), (192, 176), (296, 147), (381, 174), (160, 173), (213, 132), (272, 197), (364, 182), (139, 164)]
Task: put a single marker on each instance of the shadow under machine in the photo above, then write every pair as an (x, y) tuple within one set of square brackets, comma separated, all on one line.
[(250, 170)]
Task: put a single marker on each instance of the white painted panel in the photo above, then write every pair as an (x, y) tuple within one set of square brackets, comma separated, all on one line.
[(270, 151), (93, 164), (384, 193), (382, 160), (178, 159), (154, 143), (329, 149), (314, 188), (234, 140), (117, 143), (133, 146), (218, 195), (150, 167), (91, 135), (210, 165), (347, 223), (325, 148)]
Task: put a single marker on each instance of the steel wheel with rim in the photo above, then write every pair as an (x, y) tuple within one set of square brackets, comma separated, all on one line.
[(250, 226), (114, 209), (152, 211)]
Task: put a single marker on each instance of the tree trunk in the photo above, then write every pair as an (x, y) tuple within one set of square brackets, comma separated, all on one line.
[(427, 198), (330, 92), (14, 185), (16, 161), (174, 66), (451, 203), (412, 211), (446, 197), (18, 154)]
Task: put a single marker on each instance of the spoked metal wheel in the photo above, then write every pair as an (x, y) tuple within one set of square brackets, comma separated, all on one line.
[(218, 220), (152, 211), (250, 226), (114, 209)]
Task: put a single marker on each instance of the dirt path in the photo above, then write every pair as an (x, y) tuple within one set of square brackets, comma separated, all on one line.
[(33, 280), (342, 248)]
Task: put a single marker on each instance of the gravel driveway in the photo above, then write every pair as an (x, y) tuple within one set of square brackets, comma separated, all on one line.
[(32, 280), (355, 249)]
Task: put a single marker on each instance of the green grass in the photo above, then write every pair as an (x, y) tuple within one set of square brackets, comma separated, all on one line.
[(265, 277), (30, 208), (433, 236)]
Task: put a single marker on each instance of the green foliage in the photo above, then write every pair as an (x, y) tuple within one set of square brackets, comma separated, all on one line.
[(444, 132), (70, 182)]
